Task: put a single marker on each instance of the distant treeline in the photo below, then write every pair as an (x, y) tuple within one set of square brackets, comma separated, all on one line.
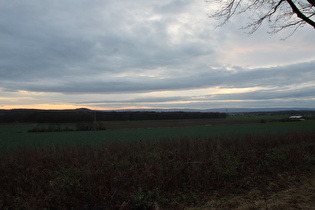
[(288, 112), (75, 116)]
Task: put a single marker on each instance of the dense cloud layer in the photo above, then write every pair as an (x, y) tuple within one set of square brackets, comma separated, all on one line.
[(115, 54)]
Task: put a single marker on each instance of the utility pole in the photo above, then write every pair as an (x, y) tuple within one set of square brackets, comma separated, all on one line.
[(94, 117), (227, 112)]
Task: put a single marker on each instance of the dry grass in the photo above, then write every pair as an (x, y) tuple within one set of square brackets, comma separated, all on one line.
[(300, 195)]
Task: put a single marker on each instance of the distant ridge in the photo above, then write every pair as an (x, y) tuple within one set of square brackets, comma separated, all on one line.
[(244, 110), (221, 110), (44, 110), (83, 110)]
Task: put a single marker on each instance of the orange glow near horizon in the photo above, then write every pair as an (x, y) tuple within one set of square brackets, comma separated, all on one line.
[(65, 106), (41, 106), (21, 103), (190, 98)]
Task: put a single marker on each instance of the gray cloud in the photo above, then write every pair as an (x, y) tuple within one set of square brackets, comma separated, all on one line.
[(276, 77), (288, 93), (117, 47), (42, 44)]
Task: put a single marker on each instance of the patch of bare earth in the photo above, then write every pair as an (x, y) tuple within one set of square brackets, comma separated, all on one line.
[(299, 196)]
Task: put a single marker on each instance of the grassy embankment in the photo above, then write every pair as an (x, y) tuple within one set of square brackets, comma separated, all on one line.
[(242, 169)]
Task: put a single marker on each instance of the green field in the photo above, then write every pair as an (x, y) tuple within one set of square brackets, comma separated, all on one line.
[(16, 136), (211, 164)]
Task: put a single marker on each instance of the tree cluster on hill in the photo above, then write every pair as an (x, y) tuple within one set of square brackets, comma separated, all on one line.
[(75, 116), (45, 117)]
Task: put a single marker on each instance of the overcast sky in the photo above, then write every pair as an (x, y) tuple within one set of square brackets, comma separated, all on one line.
[(105, 54)]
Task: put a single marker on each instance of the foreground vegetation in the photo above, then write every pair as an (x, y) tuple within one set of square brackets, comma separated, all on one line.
[(164, 173), (299, 195)]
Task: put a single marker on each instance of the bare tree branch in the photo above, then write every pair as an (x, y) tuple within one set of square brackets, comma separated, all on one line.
[(312, 2), (278, 14), (300, 14)]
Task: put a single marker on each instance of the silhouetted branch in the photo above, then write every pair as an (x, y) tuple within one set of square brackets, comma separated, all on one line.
[(279, 14)]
